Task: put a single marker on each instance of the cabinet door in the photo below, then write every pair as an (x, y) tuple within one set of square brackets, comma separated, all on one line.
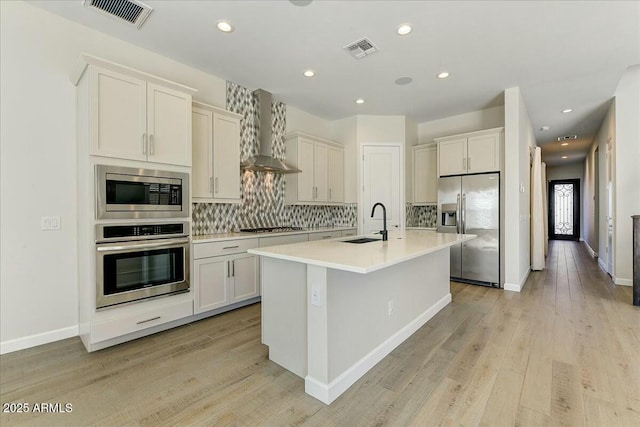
[(483, 153), (211, 283), (245, 283), (336, 175), (168, 126), (201, 171), (320, 169), (452, 157), (306, 188), (424, 175), (118, 115), (226, 157)]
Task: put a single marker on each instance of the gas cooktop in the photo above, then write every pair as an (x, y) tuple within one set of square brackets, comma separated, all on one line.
[(280, 229)]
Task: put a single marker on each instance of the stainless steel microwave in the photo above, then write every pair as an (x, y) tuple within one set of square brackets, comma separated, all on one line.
[(132, 193)]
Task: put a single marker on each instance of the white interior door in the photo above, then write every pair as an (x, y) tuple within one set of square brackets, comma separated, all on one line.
[(609, 248), (381, 171)]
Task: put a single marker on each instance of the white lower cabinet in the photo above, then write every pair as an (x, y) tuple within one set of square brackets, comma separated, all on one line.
[(325, 235), (225, 274), (349, 232)]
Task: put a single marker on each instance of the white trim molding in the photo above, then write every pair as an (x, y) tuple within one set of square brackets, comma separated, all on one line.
[(327, 393), (517, 288), (622, 282), (10, 346), (593, 253)]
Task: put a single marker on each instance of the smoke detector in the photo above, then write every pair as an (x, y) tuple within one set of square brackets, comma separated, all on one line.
[(567, 138), (361, 48), (131, 11)]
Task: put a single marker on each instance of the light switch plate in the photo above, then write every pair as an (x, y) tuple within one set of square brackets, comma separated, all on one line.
[(49, 223)]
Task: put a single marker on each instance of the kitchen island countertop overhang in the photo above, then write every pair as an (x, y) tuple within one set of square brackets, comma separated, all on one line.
[(331, 310)]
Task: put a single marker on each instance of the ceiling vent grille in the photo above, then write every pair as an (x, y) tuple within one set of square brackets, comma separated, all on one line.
[(567, 138), (131, 11), (361, 48)]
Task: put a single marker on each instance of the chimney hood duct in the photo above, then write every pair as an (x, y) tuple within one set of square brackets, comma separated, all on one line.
[(264, 161)]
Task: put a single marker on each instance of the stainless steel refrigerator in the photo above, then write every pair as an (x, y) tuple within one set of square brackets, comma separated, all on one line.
[(470, 204)]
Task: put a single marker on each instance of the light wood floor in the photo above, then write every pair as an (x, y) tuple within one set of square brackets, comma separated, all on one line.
[(565, 351)]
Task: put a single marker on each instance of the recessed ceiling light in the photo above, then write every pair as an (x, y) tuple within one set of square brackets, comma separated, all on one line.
[(443, 75), (545, 128), (224, 26), (567, 110), (300, 2), (564, 143), (359, 101), (404, 81), (404, 29), (564, 157), (309, 73)]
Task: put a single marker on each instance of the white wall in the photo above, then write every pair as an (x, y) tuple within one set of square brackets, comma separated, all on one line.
[(468, 122), (346, 132), (627, 171), (573, 170), (301, 121), (519, 138), (38, 279), (411, 139)]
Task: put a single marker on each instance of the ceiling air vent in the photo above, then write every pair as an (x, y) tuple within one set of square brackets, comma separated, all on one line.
[(361, 48), (567, 138), (131, 11)]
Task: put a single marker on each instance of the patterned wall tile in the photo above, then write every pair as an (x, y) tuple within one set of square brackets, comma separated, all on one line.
[(262, 196), (421, 216)]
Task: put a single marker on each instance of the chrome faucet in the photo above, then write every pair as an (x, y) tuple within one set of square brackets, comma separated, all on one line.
[(384, 220)]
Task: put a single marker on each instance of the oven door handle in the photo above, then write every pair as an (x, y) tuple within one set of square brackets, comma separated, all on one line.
[(133, 246)]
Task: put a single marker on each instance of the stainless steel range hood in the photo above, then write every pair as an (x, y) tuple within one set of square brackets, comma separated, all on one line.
[(265, 161)]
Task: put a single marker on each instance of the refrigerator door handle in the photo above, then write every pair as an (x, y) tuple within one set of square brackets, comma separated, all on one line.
[(463, 210), (458, 213)]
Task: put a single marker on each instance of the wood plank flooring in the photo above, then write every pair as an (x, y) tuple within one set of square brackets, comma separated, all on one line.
[(565, 351)]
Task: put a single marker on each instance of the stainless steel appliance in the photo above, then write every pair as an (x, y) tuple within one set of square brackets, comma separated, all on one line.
[(138, 261), (279, 229), (470, 204), (133, 193)]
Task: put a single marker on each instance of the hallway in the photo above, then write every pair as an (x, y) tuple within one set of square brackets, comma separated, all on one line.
[(564, 351)]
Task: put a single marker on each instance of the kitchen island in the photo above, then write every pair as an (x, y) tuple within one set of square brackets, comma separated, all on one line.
[(331, 309)]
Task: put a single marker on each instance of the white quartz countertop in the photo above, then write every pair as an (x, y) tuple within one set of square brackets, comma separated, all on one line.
[(220, 237), (366, 257)]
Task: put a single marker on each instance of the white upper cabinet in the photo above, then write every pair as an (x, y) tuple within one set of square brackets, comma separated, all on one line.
[(136, 116), (216, 154), (336, 175), (322, 164), (473, 152), (425, 174)]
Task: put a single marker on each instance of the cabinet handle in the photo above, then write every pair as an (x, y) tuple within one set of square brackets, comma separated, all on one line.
[(469, 163), (152, 145), (210, 185), (144, 143), (215, 185), (233, 268), (231, 247), (228, 269), (464, 163), (327, 237), (329, 194), (148, 320)]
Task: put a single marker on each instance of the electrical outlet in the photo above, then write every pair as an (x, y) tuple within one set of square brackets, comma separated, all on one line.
[(315, 297), (48, 223), (390, 308)]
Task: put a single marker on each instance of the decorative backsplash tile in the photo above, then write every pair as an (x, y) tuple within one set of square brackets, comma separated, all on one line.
[(263, 193), (421, 216)]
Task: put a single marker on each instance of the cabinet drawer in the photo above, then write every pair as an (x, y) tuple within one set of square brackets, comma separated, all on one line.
[(227, 247), (324, 235), (283, 240), (351, 232), (101, 331)]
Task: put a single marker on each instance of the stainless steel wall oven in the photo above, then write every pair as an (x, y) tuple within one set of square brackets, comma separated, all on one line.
[(139, 261), (133, 193)]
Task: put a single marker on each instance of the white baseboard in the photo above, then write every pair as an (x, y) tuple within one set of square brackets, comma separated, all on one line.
[(602, 265), (593, 253), (623, 282), (517, 288), (10, 346), (327, 393)]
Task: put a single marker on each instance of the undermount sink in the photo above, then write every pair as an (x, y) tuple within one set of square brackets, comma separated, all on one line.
[(362, 240)]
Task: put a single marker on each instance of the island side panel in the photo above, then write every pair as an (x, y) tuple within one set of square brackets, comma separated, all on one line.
[(284, 313), (360, 330)]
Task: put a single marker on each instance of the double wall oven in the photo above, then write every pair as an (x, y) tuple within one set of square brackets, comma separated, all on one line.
[(147, 255)]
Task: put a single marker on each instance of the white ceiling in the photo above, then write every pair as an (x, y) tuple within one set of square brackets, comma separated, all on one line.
[(568, 54)]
